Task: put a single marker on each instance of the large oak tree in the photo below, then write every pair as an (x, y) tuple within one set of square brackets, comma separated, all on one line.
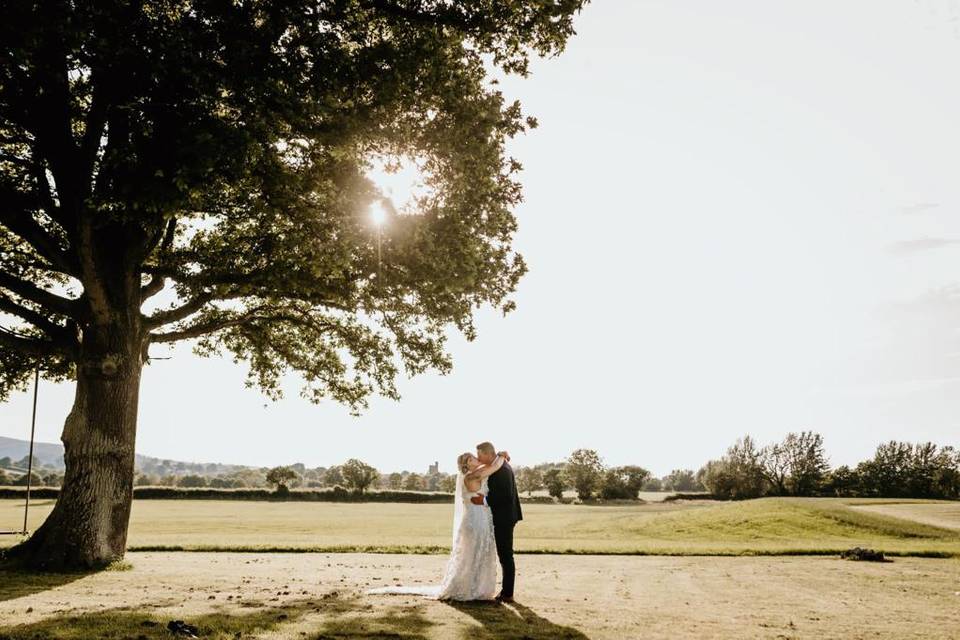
[(216, 153)]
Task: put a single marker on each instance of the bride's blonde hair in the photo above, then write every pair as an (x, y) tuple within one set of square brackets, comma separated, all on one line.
[(462, 461)]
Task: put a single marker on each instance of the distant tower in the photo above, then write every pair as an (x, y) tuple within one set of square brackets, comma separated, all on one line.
[(434, 469)]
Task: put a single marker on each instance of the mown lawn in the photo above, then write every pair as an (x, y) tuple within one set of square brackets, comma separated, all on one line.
[(765, 526)]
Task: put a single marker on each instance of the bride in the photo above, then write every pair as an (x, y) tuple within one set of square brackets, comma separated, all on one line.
[(471, 572)]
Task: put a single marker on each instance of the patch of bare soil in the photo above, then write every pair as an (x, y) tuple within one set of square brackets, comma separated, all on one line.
[(322, 595)]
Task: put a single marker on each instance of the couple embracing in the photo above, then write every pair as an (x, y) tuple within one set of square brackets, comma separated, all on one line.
[(485, 510)]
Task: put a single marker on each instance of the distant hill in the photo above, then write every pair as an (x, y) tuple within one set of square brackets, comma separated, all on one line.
[(51, 454), (46, 452)]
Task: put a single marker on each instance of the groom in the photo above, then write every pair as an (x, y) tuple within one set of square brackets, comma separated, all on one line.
[(504, 502)]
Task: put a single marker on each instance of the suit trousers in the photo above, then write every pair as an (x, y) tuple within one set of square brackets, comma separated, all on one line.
[(503, 534)]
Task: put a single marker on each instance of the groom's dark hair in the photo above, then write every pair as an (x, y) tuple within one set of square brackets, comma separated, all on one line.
[(486, 447)]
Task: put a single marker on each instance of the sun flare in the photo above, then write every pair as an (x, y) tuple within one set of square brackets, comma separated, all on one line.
[(401, 181), (378, 213)]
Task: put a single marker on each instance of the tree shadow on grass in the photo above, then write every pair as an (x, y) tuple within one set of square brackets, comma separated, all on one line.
[(16, 582), (398, 623), (512, 621), (321, 618), (133, 622)]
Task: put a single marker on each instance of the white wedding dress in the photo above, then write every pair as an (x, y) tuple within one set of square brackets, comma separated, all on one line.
[(471, 572)]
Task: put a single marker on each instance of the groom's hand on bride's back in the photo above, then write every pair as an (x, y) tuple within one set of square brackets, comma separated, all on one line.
[(477, 500)]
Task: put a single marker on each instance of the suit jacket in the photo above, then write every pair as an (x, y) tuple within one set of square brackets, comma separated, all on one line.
[(503, 498)]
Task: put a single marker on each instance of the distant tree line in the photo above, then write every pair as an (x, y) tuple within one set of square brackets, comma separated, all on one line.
[(585, 473), (353, 475), (798, 466), (14, 472)]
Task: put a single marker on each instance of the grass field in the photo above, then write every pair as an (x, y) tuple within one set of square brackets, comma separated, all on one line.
[(676, 592), (939, 514), (766, 526)]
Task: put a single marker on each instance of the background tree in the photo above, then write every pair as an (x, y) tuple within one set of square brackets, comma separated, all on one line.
[(841, 482), (775, 467), (35, 480), (807, 460), (281, 478), (612, 486), (739, 474), (358, 475), (249, 478), (554, 482), (623, 483), (197, 171), (681, 480), (946, 477), (313, 478), (887, 473), (333, 477), (653, 484), (414, 482), (529, 479), (24, 462), (52, 479), (902, 469), (634, 477), (192, 480), (718, 478), (395, 481), (744, 458), (448, 483), (584, 470)]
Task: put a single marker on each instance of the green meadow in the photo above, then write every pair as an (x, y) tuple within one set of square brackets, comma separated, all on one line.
[(767, 526)]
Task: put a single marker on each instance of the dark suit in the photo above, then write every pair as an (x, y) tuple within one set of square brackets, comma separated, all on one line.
[(504, 503)]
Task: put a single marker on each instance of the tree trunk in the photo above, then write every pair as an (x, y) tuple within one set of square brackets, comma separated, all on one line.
[(88, 525)]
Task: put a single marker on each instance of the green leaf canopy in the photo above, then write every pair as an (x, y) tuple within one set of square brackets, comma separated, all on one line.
[(220, 151)]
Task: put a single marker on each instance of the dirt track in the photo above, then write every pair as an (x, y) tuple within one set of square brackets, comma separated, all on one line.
[(560, 596)]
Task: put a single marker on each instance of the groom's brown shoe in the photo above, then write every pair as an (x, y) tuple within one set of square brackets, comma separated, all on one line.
[(502, 599)]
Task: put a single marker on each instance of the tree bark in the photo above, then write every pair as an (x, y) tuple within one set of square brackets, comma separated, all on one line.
[(88, 525)]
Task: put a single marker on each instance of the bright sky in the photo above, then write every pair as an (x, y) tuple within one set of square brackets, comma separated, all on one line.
[(740, 217)]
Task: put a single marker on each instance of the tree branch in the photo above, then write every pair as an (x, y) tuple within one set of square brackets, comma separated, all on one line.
[(45, 192), (152, 288), (50, 122), (94, 126), (96, 292), (168, 236), (202, 328), (248, 280), (212, 326), (23, 225), (186, 310), (38, 320), (49, 301), (158, 280), (30, 346)]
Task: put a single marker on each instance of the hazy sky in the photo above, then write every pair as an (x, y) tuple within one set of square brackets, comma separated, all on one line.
[(740, 217)]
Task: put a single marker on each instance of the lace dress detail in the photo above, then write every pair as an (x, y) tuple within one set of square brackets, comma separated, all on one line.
[(471, 571)]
